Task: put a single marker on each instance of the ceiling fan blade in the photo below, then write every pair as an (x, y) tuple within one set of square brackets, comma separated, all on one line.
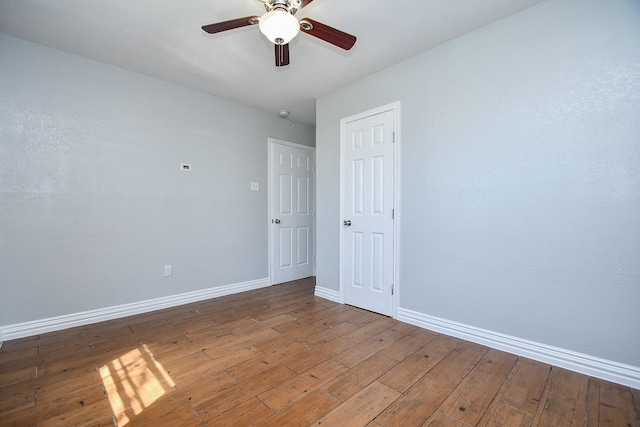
[(230, 25), (282, 54), (328, 34), (304, 3)]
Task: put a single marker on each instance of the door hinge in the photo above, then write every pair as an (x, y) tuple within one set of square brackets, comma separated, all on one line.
[(392, 289), (393, 214), (394, 138)]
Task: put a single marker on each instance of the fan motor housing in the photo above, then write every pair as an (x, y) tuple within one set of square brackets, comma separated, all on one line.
[(290, 6)]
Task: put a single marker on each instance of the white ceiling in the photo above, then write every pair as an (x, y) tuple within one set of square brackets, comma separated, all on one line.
[(163, 39)]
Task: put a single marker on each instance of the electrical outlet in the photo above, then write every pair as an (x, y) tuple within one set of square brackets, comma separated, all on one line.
[(254, 186), (167, 270)]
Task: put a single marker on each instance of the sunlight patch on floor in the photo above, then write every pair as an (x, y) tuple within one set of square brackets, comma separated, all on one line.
[(134, 381)]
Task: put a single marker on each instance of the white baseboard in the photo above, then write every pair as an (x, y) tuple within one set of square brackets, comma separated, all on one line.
[(35, 327), (329, 294), (600, 368)]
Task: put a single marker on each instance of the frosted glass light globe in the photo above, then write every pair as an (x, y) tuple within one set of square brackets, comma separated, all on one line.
[(279, 26)]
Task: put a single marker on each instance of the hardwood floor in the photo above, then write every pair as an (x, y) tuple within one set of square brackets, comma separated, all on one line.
[(280, 356)]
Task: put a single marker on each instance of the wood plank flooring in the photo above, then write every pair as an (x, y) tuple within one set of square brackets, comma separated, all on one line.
[(280, 356)]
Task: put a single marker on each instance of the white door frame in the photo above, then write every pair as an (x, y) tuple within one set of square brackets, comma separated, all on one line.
[(271, 200), (395, 107)]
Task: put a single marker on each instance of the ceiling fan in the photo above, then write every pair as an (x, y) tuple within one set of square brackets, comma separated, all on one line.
[(281, 26)]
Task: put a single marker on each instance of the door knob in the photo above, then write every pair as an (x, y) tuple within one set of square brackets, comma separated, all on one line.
[(277, 221), (347, 222)]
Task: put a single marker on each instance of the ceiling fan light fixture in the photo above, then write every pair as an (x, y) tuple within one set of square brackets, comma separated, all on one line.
[(279, 26)]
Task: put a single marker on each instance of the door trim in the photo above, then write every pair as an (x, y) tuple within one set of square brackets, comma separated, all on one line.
[(395, 107), (271, 200)]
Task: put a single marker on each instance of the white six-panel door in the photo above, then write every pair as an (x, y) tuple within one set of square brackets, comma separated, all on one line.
[(368, 211), (292, 211)]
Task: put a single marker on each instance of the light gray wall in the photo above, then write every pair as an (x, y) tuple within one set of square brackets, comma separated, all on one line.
[(520, 174), (92, 201)]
